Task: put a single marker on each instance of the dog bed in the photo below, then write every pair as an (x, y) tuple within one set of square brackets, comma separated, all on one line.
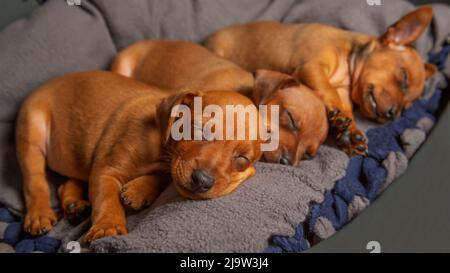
[(281, 209)]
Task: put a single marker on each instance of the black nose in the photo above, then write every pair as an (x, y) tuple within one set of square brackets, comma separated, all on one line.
[(201, 181), (286, 159), (391, 113)]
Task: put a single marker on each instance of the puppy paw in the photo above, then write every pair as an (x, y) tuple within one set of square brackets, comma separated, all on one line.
[(339, 121), (133, 197), (39, 221), (76, 211), (352, 142), (349, 138), (105, 229)]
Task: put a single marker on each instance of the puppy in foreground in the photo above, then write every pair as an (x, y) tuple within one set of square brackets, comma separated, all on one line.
[(176, 66), (380, 75), (113, 134)]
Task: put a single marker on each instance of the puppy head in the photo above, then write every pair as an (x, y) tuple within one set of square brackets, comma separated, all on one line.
[(303, 124), (389, 75), (213, 165)]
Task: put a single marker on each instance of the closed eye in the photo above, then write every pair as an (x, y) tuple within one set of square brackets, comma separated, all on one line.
[(292, 124), (242, 162), (243, 158), (404, 83)]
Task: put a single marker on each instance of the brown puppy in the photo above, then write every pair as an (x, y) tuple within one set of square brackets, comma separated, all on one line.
[(114, 133), (381, 75), (176, 65)]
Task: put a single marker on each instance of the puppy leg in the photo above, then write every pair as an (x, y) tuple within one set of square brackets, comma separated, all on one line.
[(74, 205), (108, 214), (40, 217), (142, 191), (30, 139), (340, 115)]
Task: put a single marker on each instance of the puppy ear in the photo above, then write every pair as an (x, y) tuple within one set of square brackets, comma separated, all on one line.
[(430, 70), (408, 29), (164, 110), (267, 82)]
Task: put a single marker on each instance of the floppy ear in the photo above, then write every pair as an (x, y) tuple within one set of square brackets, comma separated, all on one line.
[(163, 113), (408, 29), (267, 82), (430, 70)]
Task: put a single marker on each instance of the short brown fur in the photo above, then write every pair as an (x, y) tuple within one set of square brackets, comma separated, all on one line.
[(381, 75), (177, 66), (112, 132)]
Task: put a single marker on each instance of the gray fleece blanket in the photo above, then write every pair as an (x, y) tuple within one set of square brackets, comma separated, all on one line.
[(57, 39)]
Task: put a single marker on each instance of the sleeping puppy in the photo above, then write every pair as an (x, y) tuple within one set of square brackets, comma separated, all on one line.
[(380, 75), (115, 134), (176, 66)]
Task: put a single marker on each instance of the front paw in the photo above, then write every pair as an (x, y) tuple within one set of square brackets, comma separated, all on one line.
[(349, 138), (352, 142), (39, 221), (134, 197), (76, 211), (338, 121), (105, 229)]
